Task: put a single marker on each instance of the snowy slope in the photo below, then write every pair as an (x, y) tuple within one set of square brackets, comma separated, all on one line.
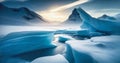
[(18, 16), (104, 49), (74, 18)]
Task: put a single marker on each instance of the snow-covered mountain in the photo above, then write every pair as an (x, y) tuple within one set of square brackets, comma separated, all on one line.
[(74, 18), (18, 16), (106, 17)]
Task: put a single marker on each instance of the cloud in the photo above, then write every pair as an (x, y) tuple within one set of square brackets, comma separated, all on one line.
[(70, 5), (13, 0), (1, 0)]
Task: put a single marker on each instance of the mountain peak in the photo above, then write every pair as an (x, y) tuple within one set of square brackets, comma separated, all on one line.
[(106, 17), (74, 17)]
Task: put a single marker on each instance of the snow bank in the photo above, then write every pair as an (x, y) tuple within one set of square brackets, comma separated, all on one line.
[(51, 59), (104, 49), (20, 42)]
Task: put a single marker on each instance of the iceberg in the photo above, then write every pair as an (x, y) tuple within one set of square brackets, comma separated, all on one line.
[(20, 42), (104, 49), (93, 24), (51, 59)]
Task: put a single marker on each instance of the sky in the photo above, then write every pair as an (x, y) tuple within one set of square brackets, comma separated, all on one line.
[(95, 8)]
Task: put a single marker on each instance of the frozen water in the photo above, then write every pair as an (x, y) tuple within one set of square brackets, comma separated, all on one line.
[(13, 60), (51, 59), (20, 42)]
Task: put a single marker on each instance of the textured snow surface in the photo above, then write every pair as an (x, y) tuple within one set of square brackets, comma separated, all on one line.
[(51, 59), (20, 42), (104, 49)]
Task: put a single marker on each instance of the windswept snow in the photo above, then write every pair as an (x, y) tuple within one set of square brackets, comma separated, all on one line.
[(104, 49)]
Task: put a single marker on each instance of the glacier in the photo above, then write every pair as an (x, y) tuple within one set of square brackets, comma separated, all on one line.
[(20, 42)]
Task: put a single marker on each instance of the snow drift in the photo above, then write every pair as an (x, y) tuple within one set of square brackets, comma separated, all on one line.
[(51, 59), (104, 49), (20, 42)]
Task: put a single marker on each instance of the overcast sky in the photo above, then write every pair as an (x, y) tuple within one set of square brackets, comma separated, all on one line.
[(110, 7)]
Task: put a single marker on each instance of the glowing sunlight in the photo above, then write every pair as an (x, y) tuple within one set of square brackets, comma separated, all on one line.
[(58, 14), (53, 16)]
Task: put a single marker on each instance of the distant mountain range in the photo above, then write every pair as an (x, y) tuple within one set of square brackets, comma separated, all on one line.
[(18, 16)]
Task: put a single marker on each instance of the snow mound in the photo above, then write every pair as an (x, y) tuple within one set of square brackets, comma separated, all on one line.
[(102, 49), (20, 42), (51, 59)]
